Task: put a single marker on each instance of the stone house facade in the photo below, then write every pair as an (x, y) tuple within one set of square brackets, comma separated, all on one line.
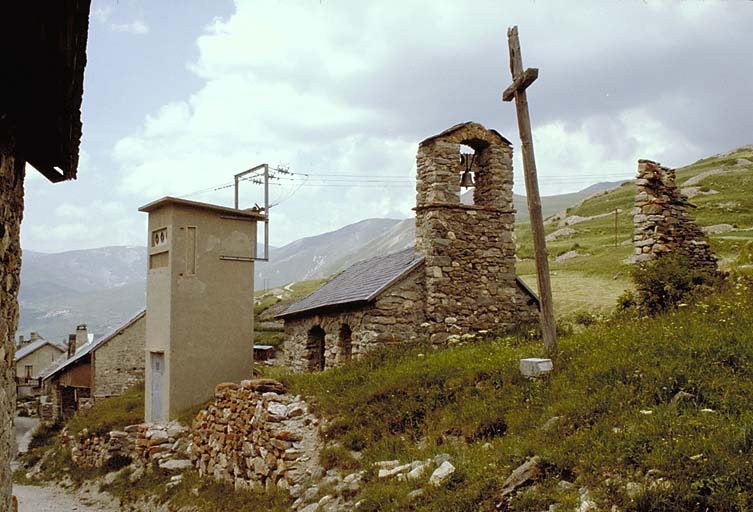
[(105, 367), (44, 55), (31, 358), (458, 281)]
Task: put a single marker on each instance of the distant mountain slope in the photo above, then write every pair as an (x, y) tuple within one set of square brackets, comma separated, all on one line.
[(550, 204), (318, 256)]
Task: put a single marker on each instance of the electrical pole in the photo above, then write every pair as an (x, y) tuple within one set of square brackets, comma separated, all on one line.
[(517, 90)]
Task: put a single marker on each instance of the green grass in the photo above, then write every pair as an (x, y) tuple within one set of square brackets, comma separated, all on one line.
[(111, 413), (412, 404), (196, 494)]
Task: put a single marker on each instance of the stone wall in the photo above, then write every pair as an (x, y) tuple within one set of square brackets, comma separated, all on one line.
[(469, 249), (254, 435), (11, 212), (161, 445), (394, 317), (661, 221), (119, 363)]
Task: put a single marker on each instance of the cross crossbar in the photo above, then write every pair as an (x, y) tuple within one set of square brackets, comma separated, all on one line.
[(520, 83)]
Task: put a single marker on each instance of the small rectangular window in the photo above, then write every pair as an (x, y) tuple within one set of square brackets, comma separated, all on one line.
[(29, 368), (159, 260), (190, 250)]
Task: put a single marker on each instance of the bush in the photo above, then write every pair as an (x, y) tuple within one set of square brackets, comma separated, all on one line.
[(44, 434), (669, 281)]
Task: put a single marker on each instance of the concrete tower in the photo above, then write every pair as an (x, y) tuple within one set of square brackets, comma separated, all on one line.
[(199, 323)]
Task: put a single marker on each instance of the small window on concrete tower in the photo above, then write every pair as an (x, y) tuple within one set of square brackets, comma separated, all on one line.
[(191, 250)]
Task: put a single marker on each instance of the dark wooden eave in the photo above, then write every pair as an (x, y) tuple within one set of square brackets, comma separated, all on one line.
[(44, 55)]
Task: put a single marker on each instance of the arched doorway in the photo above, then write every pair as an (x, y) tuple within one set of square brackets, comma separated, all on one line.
[(315, 348), (345, 342)]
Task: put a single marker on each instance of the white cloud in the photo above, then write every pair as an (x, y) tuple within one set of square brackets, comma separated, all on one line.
[(136, 27), (102, 13), (340, 87)]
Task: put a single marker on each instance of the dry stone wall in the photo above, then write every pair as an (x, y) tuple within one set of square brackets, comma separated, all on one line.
[(395, 317), (256, 436), (661, 220), (11, 212), (163, 446), (469, 249)]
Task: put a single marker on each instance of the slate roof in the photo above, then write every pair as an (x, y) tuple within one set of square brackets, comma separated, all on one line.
[(89, 348), (33, 347), (360, 283)]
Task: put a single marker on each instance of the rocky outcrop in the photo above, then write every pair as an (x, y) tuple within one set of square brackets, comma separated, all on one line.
[(661, 220), (255, 436)]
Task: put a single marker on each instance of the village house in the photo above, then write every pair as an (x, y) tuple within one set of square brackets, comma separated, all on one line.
[(44, 54), (459, 280), (96, 369), (32, 356)]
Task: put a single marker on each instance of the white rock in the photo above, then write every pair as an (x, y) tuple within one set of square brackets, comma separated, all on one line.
[(442, 474), (277, 409), (310, 508), (387, 464), (176, 465), (535, 366)]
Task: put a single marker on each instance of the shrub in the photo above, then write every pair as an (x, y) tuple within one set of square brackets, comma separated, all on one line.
[(44, 434), (669, 281)]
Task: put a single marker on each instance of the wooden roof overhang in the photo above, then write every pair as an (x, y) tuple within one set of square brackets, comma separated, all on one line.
[(44, 55)]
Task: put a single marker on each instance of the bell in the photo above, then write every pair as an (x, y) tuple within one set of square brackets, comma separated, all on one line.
[(466, 181)]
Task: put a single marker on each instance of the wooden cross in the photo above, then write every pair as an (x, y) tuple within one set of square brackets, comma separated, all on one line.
[(517, 91)]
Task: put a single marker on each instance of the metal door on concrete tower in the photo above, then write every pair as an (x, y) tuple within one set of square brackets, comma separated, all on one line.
[(158, 372)]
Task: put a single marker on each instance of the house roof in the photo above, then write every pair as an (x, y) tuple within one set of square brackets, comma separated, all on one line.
[(159, 203), (44, 52), (362, 282), (36, 345), (89, 348)]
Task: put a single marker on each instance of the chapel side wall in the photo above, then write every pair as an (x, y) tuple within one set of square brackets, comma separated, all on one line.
[(40, 359), (11, 212), (119, 363), (395, 317)]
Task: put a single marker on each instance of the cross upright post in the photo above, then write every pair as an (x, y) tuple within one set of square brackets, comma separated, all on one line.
[(521, 79)]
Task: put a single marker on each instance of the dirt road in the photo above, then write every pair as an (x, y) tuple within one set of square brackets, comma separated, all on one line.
[(50, 499)]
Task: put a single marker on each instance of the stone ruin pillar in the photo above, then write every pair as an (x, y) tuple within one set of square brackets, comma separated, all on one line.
[(661, 221)]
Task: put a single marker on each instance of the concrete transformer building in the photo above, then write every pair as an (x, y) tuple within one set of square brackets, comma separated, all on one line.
[(200, 304)]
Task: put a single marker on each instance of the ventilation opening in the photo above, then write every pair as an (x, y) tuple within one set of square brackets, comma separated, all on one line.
[(315, 349), (345, 342), (467, 162)]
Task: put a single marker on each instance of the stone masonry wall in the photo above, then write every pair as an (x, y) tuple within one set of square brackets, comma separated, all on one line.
[(11, 212), (469, 249), (394, 317), (661, 221), (255, 436), (161, 445), (119, 363)]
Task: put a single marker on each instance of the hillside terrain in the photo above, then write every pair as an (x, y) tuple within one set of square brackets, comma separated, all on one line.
[(587, 259)]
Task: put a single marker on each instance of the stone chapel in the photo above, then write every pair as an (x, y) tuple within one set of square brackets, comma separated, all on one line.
[(457, 282)]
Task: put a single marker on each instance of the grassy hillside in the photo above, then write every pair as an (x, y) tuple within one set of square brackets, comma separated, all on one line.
[(725, 198), (621, 430)]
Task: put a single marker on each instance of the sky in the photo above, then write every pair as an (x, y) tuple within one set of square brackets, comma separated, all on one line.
[(180, 96)]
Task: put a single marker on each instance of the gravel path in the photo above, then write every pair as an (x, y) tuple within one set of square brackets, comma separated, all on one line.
[(51, 499)]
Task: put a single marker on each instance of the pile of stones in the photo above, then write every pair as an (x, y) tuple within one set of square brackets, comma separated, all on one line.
[(255, 436)]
